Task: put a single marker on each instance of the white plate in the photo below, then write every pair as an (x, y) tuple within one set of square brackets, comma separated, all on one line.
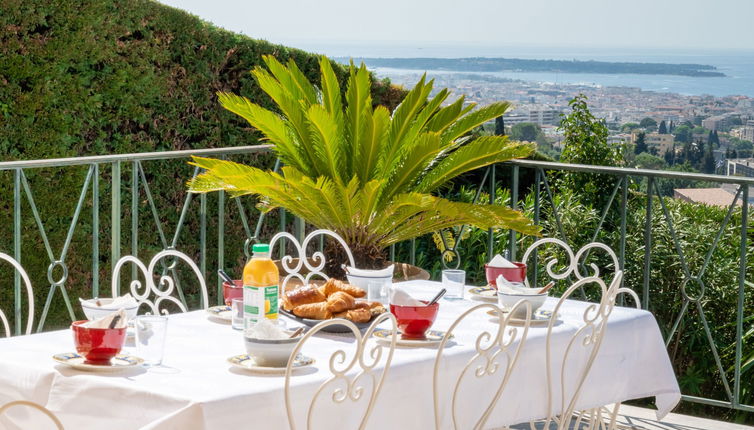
[(246, 362), (487, 294), (541, 318), (433, 337), (221, 312), (118, 363)]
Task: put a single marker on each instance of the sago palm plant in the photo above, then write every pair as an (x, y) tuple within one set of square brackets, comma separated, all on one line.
[(362, 171)]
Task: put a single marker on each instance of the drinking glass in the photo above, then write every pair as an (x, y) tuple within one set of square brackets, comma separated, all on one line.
[(378, 290), (454, 282), (236, 311), (151, 331)]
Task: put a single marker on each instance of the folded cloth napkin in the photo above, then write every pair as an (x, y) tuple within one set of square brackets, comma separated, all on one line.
[(500, 261), (105, 321), (126, 301), (401, 298)]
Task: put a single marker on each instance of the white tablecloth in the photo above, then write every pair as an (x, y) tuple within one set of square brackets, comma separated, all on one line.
[(196, 389)]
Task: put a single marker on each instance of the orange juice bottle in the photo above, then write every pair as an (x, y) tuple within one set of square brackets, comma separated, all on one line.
[(260, 286)]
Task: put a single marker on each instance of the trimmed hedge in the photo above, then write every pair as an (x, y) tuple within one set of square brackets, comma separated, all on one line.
[(117, 76)]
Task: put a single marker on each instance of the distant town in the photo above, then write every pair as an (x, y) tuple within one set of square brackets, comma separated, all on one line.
[(659, 130)]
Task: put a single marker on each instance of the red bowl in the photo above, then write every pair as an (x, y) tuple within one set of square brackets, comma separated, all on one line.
[(414, 321), (97, 345), (232, 291), (512, 274)]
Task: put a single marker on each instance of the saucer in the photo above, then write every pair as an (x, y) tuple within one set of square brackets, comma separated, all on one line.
[(433, 337), (221, 312), (488, 294), (246, 362), (541, 318), (118, 363)]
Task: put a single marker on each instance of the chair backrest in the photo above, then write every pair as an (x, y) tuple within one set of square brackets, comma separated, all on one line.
[(496, 353), (163, 293), (348, 372), (302, 267), (582, 348), (29, 295), (25, 403), (574, 264)]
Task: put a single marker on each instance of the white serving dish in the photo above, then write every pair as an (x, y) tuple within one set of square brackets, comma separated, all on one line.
[(507, 300), (271, 352)]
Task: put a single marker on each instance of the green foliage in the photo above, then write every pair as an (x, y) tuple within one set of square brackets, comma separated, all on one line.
[(648, 123), (662, 128), (649, 161), (118, 76), (682, 134), (585, 142), (629, 127), (359, 171), (526, 131), (641, 144)]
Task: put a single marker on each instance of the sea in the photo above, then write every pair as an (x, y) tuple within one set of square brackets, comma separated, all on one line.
[(738, 66)]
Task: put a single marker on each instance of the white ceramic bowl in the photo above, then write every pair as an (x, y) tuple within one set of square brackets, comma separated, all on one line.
[(271, 352), (92, 311), (507, 300)]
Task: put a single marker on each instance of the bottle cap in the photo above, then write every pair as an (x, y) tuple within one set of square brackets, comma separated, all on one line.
[(261, 248)]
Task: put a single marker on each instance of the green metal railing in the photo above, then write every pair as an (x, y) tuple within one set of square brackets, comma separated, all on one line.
[(624, 179), (113, 168), (57, 273)]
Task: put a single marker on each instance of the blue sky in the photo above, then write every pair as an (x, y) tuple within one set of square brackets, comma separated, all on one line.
[(661, 24)]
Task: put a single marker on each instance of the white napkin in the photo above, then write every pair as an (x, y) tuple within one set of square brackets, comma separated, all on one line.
[(126, 301), (401, 298), (502, 262), (509, 288), (105, 321)]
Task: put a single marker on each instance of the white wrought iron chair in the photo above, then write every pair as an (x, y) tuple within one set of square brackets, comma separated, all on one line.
[(497, 352), (573, 259), (25, 403), (163, 293), (348, 374), (314, 266), (29, 295)]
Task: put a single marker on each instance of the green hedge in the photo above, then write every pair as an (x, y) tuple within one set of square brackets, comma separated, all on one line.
[(118, 76)]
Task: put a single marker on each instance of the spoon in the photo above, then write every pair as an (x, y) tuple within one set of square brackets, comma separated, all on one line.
[(225, 276), (296, 333), (114, 321), (437, 297), (546, 287)]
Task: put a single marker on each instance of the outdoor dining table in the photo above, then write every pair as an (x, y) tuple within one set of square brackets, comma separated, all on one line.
[(196, 388)]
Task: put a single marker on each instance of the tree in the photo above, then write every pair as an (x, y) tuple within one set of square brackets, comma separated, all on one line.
[(683, 133), (629, 126), (641, 145), (669, 156), (662, 129), (671, 127), (585, 142), (708, 161), (525, 131), (649, 161), (500, 126), (361, 171), (648, 123)]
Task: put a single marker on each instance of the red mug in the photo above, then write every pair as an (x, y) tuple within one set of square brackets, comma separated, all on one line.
[(511, 274), (232, 291), (414, 321), (97, 345)]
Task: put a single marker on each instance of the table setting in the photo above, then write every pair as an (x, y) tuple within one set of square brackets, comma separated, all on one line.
[(206, 370)]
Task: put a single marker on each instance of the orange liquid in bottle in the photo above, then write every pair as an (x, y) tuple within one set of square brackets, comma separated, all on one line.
[(260, 284)]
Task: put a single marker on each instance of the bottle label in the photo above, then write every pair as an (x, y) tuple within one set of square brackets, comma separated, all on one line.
[(260, 302)]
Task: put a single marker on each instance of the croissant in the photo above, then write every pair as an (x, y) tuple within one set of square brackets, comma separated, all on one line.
[(359, 315), (333, 285), (302, 296), (339, 302), (315, 311)]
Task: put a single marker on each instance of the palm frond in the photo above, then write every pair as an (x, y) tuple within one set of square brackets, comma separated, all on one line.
[(326, 142), (478, 153), (358, 116), (474, 119)]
